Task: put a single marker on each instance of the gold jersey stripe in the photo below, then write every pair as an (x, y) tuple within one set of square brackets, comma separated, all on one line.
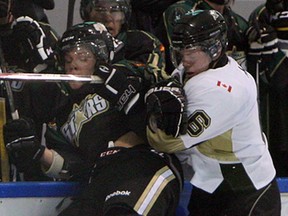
[(146, 201), (282, 29)]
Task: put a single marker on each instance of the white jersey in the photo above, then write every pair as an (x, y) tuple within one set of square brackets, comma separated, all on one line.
[(223, 128)]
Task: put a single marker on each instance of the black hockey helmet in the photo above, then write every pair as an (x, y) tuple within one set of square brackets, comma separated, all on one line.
[(92, 34), (87, 5), (202, 28)]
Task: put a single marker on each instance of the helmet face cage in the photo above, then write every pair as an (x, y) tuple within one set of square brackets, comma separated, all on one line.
[(86, 6), (205, 30), (89, 34)]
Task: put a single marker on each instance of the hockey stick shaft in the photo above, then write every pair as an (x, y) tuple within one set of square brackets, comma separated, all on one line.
[(40, 77), (6, 167), (70, 16), (14, 112)]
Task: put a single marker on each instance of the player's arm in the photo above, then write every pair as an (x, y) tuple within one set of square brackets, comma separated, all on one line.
[(24, 148), (166, 116), (125, 84)]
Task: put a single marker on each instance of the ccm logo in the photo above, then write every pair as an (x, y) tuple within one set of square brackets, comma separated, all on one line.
[(110, 152)]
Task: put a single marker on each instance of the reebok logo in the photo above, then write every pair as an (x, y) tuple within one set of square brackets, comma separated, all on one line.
[(118, 193)]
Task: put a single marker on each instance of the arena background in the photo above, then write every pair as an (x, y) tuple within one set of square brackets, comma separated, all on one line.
[(58, 16)]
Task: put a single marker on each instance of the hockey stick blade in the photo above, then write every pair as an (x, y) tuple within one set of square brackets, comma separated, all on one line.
[(41, 77)]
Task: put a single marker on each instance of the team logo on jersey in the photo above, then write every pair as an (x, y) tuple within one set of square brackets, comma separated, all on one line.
[(90, 107)]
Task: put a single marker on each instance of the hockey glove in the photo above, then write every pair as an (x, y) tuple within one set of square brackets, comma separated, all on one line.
[(34, 46), (262, 41), (21, 143), (122, 87), (166, 108), (279, 21), (264, 47)]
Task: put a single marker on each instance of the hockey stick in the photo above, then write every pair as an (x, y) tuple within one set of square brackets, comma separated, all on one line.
[(14, 112), (5, 166), (70, 16), (266, 116), (41, 77)]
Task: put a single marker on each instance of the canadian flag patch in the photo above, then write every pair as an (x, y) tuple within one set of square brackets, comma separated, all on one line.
[(223, 85)]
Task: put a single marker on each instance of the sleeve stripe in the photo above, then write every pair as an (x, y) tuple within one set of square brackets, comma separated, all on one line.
[(153, 190)]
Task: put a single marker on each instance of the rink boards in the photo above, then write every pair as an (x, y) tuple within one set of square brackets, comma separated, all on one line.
[(49, 198)]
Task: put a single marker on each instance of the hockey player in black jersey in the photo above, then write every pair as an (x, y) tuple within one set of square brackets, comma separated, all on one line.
[(268, 62), (26, 45), (91, 134)]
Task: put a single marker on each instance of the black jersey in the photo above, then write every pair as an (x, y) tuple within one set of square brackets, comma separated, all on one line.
[(84, 123), (137, 179)]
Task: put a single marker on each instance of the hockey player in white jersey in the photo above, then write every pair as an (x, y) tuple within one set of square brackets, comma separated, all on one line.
[(222, 145)]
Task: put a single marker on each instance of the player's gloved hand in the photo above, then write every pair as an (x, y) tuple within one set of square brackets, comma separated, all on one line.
[(262, 40), (34, 46), (121, 87), (264, 48), (166, 108), (21, 143), (279, 21)]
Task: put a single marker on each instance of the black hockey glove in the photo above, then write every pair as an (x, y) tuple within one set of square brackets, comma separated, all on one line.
[(262, 40), (279, 21), (21, 143), (122, 87), (166, 108), (34, 46), (264, 48)]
